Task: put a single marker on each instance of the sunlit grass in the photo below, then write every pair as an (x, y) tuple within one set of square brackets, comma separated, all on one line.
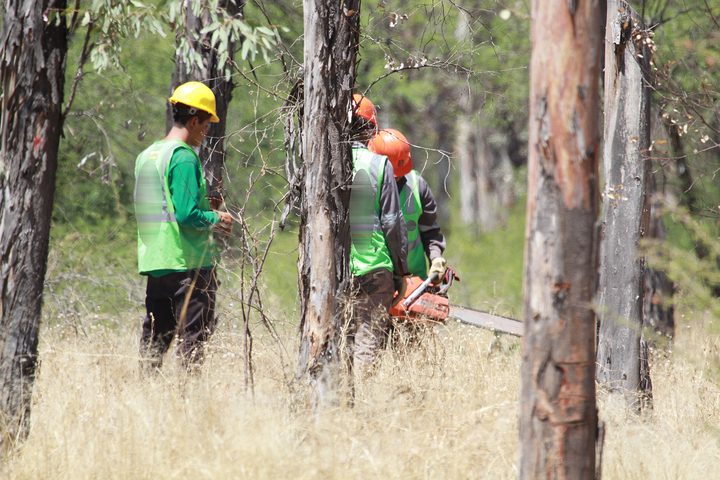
[(443, 406)]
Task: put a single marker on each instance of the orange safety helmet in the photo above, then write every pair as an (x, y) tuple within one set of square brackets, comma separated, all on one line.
[(363, 107), (394, 145)]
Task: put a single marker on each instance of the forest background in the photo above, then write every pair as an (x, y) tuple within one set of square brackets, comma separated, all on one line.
[(467, 122)]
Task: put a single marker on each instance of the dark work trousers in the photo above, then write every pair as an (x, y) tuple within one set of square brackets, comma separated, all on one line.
[(178, 303), (371, 318)]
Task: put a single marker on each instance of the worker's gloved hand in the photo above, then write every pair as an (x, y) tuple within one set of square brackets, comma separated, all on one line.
[(224, 226), (400, 288), (438, 265)]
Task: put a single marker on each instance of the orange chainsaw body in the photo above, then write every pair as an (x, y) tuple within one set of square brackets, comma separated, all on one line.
[(428, 309)]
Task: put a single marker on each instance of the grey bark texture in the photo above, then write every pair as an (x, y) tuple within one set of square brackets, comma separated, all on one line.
[(32, 71), (558, 416), (212, 74), (622, 350), (331, 44)]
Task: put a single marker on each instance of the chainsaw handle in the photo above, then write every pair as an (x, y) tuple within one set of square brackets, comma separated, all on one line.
[(419, 291), (447, 285)]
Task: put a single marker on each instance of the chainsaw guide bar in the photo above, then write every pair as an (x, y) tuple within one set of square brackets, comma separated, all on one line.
[(426, 304)]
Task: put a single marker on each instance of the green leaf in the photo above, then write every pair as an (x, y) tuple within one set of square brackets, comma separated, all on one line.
[(222, 48), (210, 28), (245, 49), (222, 60), (245, 29), (173, 11)]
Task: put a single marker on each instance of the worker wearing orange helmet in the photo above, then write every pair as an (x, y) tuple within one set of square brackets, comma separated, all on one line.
[(175, 224), (378, 253), (418, 206)]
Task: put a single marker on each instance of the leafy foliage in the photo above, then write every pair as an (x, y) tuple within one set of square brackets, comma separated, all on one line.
[(225, 29)]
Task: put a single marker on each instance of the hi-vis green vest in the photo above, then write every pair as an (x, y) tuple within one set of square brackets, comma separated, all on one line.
[(162, 243), (368, 250), (412, 209)]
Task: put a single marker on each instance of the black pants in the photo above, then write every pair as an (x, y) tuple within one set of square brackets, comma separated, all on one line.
[(183, 304)]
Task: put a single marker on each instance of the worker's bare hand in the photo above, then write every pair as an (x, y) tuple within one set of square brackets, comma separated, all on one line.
[(215, 203), (224, 226)]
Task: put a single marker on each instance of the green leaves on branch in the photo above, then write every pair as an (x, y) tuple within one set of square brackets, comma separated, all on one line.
[(223, 32), (108, 22)]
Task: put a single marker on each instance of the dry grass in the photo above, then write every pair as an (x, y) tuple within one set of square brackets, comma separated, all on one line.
[(444, 408)]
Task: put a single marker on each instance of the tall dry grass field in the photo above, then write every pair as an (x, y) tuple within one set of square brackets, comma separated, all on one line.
[(443, 407)]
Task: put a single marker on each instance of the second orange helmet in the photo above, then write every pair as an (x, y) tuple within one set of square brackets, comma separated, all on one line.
[(394, 145)]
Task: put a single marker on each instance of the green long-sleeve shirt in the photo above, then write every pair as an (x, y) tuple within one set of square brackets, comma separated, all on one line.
[(184, 177)]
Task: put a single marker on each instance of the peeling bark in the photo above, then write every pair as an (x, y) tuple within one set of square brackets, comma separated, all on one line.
[(622, 364), (331, 43), (32, 71), (558, 417)]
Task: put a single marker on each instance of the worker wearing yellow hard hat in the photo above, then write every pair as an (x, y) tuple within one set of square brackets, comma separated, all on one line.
[(176, 248)]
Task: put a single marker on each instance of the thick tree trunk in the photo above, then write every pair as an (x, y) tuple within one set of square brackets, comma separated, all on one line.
[(32, 71), (331, 43), (622, 352), (558, 417), (212, 74)]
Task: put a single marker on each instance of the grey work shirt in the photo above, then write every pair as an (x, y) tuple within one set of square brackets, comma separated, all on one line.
[(432, 238), (392, 221)]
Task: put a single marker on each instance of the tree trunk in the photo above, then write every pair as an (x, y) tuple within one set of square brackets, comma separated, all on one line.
[(466, 148), (443, 170), (212, 74), (658, 310), (622, 352), (485, 186), (558, 416), (32, 70), (331, 43)]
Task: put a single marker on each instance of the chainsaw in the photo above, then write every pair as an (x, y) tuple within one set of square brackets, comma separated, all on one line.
[(427, 304)]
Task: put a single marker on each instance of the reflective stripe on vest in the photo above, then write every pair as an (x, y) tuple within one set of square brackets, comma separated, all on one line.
[(412, 209), (147, 179), (162, 243), (368, 250)]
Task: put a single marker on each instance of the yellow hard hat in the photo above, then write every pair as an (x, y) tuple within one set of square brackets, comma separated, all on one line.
[(196, 94)]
